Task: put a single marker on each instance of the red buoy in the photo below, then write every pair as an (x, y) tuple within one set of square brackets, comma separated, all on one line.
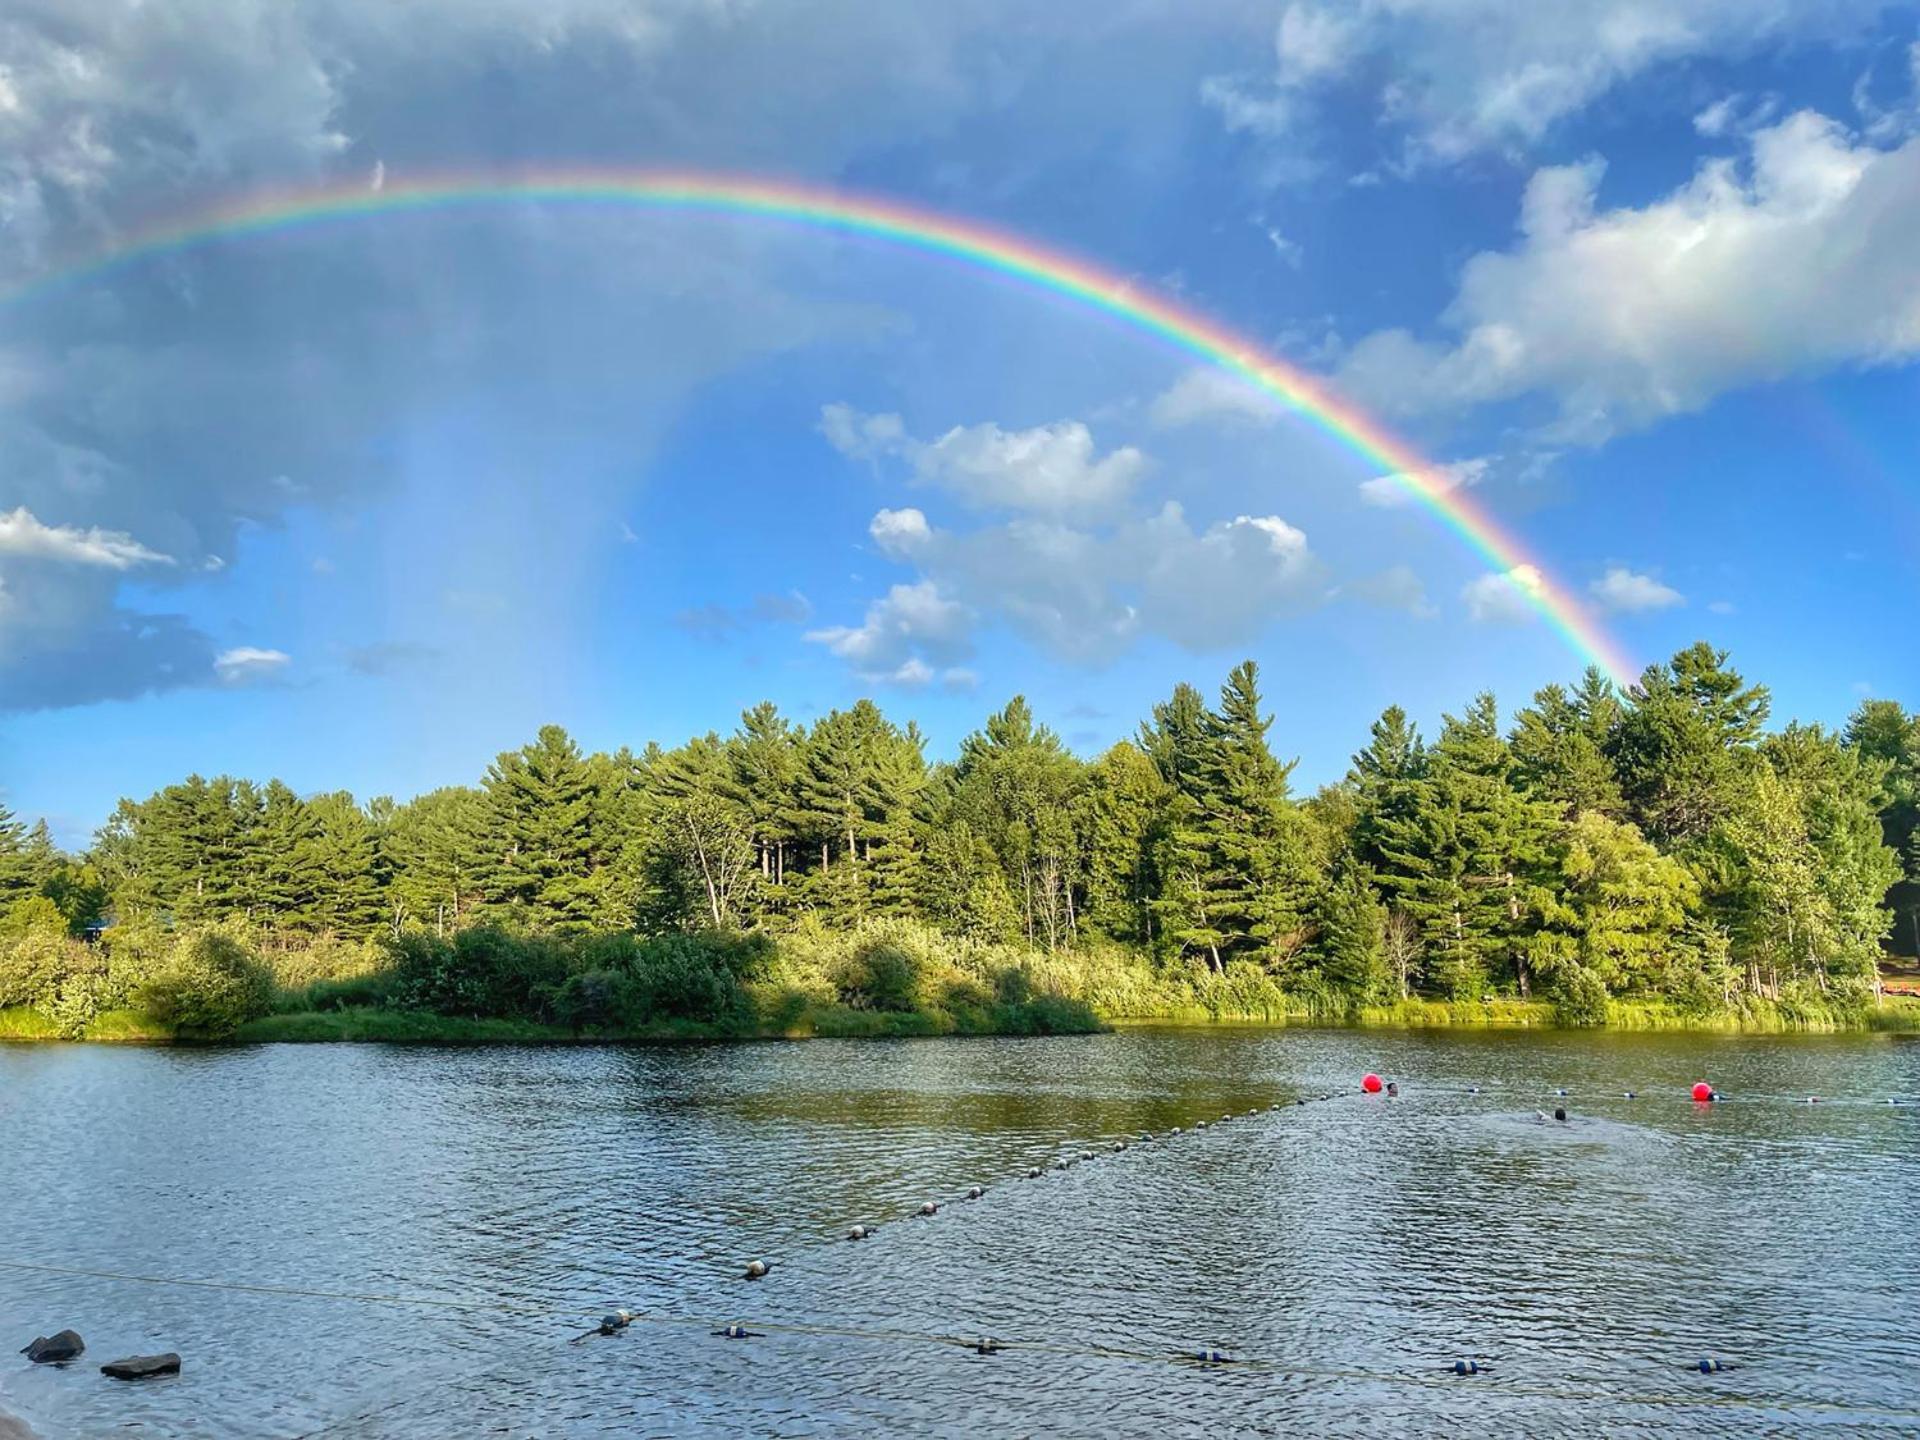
[(1702, 1090), (1370, 1083)]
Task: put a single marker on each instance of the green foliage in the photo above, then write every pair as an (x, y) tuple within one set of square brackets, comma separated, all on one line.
[(1658, 847), (211, 985)]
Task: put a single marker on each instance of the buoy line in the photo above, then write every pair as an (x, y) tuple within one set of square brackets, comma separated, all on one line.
[(616, 1322)]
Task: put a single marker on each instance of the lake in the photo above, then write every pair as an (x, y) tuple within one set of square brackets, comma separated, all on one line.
[(1344, 1252)]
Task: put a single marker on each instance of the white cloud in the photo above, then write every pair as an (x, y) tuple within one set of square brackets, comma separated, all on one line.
[(245, 664), (1389, 492), (899, 533), (1082, 594), (1210, 393), (1049, 469), (1629, 592), (1800, 263), (1465, 76), (1505, 597), (904, 634), (24, 537)]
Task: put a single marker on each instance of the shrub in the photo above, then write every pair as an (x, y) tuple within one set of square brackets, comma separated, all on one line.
[(35, 962), (350, 993), (596, 999), (212, 985), (480, 972), (692, 977), (1580, 998), (882, 976)]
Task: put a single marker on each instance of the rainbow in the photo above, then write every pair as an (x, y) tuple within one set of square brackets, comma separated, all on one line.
[(996, 251)]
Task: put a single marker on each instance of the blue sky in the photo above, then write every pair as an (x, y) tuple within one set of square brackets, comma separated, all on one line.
[(361, 505)]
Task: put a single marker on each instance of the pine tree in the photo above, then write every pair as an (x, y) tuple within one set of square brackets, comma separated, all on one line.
[(1255, 878), (348, 900), (1116, 812), (17, 879), (432, 852), (1467, 863), (1351, 928), (1385, 780), (1014, 784), (1560, 747), (289, 881), (539, 802), (1884, 732), (766, 770), (1683, 748)]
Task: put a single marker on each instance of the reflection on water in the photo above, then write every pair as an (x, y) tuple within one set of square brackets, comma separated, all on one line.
[(1345, 1253)]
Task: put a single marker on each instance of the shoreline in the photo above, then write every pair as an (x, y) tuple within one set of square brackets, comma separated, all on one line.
[(376, 1025)]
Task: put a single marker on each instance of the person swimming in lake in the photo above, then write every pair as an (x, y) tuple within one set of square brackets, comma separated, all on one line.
[(1393, 1089)]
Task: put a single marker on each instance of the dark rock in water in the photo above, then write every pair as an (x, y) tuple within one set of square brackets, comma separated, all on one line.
[(55, 1349), (142, 1367)]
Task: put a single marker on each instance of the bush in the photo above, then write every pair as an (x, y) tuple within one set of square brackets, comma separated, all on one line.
[(597, 1000), (480, 972), (693, 977), (211, 987), (35, 962), (352, 993), (1581, 998), (882, 976)]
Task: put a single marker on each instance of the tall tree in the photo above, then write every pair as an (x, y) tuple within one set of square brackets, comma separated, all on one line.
[(1683, 747), (1560, 747), (539, 863), (1885, 732)]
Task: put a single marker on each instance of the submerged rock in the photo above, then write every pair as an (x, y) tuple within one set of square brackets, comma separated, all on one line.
[(142, 1367), (55, 1349)]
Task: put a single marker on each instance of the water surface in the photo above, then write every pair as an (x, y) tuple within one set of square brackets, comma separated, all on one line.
[(1345, 1252)]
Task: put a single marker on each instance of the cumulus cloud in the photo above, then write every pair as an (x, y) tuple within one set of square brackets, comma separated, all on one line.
[(1451, 78), (1626, 591), (1389, 492), (1082, 593), (1050, 469), (187, 398), (249, 664), (1798, 262), (1505, 597), (23, 536), (904, 636), (1210, 393)]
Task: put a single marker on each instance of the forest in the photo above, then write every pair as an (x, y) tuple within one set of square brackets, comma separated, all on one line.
[(1664, 850)]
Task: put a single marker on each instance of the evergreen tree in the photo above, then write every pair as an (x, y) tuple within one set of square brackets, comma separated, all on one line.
[(347, 900), (289, 880), (1560, 747), (1883, 731), (1255, 878), (1116, 817), (1352, 938), (538, 865), (1467, 864), (1014, 785), (1683, 746), (766, 772), (1385, 781), (431, 852), (1616, 908), (17, 880)]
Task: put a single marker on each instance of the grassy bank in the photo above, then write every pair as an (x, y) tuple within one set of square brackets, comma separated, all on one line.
[(884, 979), (413, 1027)]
